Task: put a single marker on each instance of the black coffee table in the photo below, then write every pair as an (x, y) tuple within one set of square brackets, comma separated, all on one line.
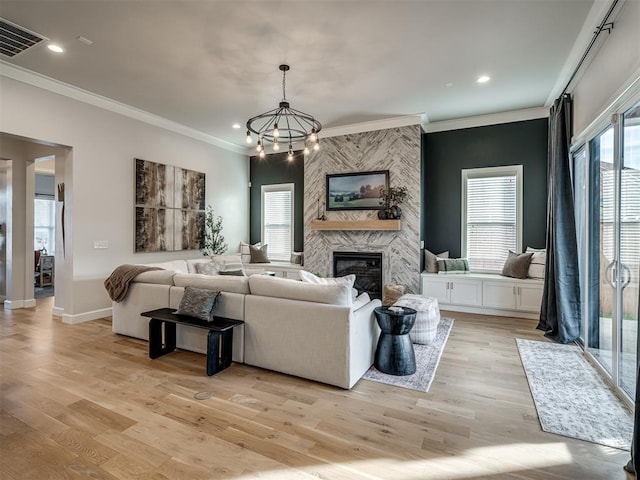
[(219, 338), (395, 355)]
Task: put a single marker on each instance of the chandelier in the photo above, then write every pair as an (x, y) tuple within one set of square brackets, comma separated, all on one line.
[(284, 125)]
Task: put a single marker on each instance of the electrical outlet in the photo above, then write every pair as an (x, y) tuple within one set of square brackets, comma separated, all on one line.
[(100, 244)]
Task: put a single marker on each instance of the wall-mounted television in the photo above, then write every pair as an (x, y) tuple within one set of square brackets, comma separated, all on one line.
[(356, 191)]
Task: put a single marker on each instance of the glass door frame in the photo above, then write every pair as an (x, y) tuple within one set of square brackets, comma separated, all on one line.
[(613, 116)]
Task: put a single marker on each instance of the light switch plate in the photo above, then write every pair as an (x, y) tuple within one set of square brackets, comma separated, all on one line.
[(100, 244)]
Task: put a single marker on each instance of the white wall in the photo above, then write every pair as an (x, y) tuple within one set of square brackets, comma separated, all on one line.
[(613, 68), (99, 178)]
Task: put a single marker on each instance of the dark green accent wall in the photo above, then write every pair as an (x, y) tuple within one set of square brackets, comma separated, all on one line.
[(275, 168), (447, 153)]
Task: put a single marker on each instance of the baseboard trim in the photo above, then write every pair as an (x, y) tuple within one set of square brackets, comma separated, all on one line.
[(86, 316), (57, 311), (16, 304), (490, 311)]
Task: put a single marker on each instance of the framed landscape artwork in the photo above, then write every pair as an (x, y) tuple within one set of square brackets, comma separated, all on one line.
[(169, 207), (356, 191)]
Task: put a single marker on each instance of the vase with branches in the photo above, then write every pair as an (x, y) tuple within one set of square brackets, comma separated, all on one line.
[(213, 240), (390, 199)]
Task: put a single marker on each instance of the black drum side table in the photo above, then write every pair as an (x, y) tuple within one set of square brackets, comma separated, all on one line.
[(394, 355)]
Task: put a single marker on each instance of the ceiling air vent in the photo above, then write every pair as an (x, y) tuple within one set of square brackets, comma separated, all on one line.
[(15, 39)]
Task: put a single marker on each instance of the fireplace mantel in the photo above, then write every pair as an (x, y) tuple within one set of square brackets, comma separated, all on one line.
[(383, 225)]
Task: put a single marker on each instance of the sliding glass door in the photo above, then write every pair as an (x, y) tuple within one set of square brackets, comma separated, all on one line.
[(607, 183), (629, 247)]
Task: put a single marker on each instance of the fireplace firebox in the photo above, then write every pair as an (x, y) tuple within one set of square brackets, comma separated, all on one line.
[(367, 268)]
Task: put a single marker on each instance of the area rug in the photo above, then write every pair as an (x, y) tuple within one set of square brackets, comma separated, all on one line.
[(570, 396), (427, 359)]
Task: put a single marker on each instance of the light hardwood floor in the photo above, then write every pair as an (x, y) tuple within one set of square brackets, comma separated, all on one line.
[(78, 401)]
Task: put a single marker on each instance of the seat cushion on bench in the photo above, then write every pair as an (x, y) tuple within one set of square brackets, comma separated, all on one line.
[(427, 318)]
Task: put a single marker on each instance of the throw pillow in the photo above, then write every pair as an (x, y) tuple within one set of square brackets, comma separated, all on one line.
[(208, 268), (296, 258), (198, 303), (538, 261), (430, 260), (309, 277), (449, 265), (238, 272), (245, 253), (517, 265), (259, 254)]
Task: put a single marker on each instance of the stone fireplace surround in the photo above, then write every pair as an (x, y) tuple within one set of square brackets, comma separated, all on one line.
[(394, 149)]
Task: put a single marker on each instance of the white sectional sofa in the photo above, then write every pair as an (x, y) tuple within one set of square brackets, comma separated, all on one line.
[(312, 331)]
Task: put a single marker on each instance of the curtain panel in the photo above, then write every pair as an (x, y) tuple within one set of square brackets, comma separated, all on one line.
[(560, 315)]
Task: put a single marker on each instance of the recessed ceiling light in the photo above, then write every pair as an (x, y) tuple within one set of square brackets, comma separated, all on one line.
[(448, 85), (483, 79), (236, 125), (55, 48)]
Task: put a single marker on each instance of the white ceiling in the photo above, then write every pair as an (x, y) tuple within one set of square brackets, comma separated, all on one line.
[(208, 64)]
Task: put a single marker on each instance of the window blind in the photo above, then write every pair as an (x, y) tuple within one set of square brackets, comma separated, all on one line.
[(491, 221), (277, 223), (44, 225)]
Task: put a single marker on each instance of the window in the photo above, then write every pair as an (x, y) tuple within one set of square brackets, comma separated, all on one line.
[(277, 220), (44, 225), (491, 216)]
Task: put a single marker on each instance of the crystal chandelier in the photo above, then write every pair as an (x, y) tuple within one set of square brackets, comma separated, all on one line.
[(284, 125)]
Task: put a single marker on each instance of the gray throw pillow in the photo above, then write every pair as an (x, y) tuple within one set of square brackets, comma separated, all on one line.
[(238, 272), (517, 265), (198, 303), (431, 259), (259, 254)]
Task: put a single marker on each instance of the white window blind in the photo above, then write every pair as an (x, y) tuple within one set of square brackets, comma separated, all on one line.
[(44, 225), (277, 220), (491, 223)]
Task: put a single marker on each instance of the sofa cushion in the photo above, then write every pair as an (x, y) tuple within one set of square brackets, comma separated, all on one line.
[(213, 282), (337, 294), (161, 277), (309, 277)]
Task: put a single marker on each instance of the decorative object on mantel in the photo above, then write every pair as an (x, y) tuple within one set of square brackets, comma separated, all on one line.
[(212, 240), (391, 198), (284, 124), (320, 215)]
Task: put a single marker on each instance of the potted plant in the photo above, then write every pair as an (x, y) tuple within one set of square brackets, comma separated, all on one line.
[(391, 199), (213, 241)]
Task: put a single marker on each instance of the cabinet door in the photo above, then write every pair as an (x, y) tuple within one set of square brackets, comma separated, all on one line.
[(499, 295), (465, 291), (437, 288), (529, 297)]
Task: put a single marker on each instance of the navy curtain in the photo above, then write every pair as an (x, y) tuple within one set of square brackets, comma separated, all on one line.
[(560, 317)]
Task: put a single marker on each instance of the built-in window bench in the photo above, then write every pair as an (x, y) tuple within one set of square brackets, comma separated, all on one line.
[(489, 294)]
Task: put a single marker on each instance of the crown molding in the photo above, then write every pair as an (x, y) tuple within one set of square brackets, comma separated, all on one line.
[(491, 119), (383, 124), (29, 77)]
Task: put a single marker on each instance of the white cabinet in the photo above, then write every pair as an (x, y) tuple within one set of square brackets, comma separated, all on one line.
[(458, 291), (485, 293)]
